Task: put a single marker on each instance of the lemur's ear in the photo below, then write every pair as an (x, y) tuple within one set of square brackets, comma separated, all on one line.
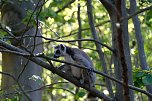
[(62, 47), (56, 47)]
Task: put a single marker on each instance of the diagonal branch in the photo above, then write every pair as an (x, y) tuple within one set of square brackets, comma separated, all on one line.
[(58, 72), (56, 40), (21, 88), (40, 88), (137, 12)]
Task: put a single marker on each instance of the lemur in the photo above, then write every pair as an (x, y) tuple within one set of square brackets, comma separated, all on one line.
[(79, 57)]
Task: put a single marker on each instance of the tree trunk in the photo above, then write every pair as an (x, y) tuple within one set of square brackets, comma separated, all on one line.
[(98, 46), (120, 63), (21, 68), (127, 48), (140, 43)]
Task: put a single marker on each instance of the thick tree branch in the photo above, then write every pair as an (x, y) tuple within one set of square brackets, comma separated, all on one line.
[(57, 71), (110, 8)]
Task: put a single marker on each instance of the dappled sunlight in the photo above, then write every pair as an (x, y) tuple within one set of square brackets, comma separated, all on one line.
[(118, 45)]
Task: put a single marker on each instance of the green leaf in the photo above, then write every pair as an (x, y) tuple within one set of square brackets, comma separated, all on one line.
[(52, 13), (81, 94), (148, 18), (147, 79), (138, 83), (139, 74)]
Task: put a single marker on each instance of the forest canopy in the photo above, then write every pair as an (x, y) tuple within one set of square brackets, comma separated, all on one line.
[(116, 35)]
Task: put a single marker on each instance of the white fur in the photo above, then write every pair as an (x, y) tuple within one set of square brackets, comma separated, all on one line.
[(75, 70)]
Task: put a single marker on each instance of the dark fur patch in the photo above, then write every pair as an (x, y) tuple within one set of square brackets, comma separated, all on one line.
[(70, 51), (56, 47)]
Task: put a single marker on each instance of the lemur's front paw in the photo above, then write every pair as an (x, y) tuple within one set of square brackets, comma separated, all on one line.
[(81, 81)]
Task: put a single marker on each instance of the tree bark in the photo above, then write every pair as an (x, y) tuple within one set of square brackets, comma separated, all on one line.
[(127, 48), (121, 53), (117, 67), (140, 43), (38, 60), (98, 46), (80, 26), (12, 16)]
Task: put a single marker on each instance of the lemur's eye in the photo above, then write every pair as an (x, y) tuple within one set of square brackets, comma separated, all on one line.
[(57, 52), (62, 47)]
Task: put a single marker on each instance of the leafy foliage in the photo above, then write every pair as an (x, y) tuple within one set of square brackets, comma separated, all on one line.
[(148, 18), (62, 23), (15, 98), (80, 94), (142, 77), (144, 2)]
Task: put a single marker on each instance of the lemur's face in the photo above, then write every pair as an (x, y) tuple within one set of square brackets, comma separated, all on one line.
[(59, 50)]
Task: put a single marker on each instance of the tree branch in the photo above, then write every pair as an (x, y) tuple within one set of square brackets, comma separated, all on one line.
[(58, 72), (100, 73), (41, 88), (56, 40), (80, 26), (7, 74), (135, 13), (65, 6)]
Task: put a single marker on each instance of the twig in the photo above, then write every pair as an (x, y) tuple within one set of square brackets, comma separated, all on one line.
[(135, 13), (30, 19), (51, 39), (80, 26), (34, 43), (7, 74), (65, 6), (84, 29), (41, 88)]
